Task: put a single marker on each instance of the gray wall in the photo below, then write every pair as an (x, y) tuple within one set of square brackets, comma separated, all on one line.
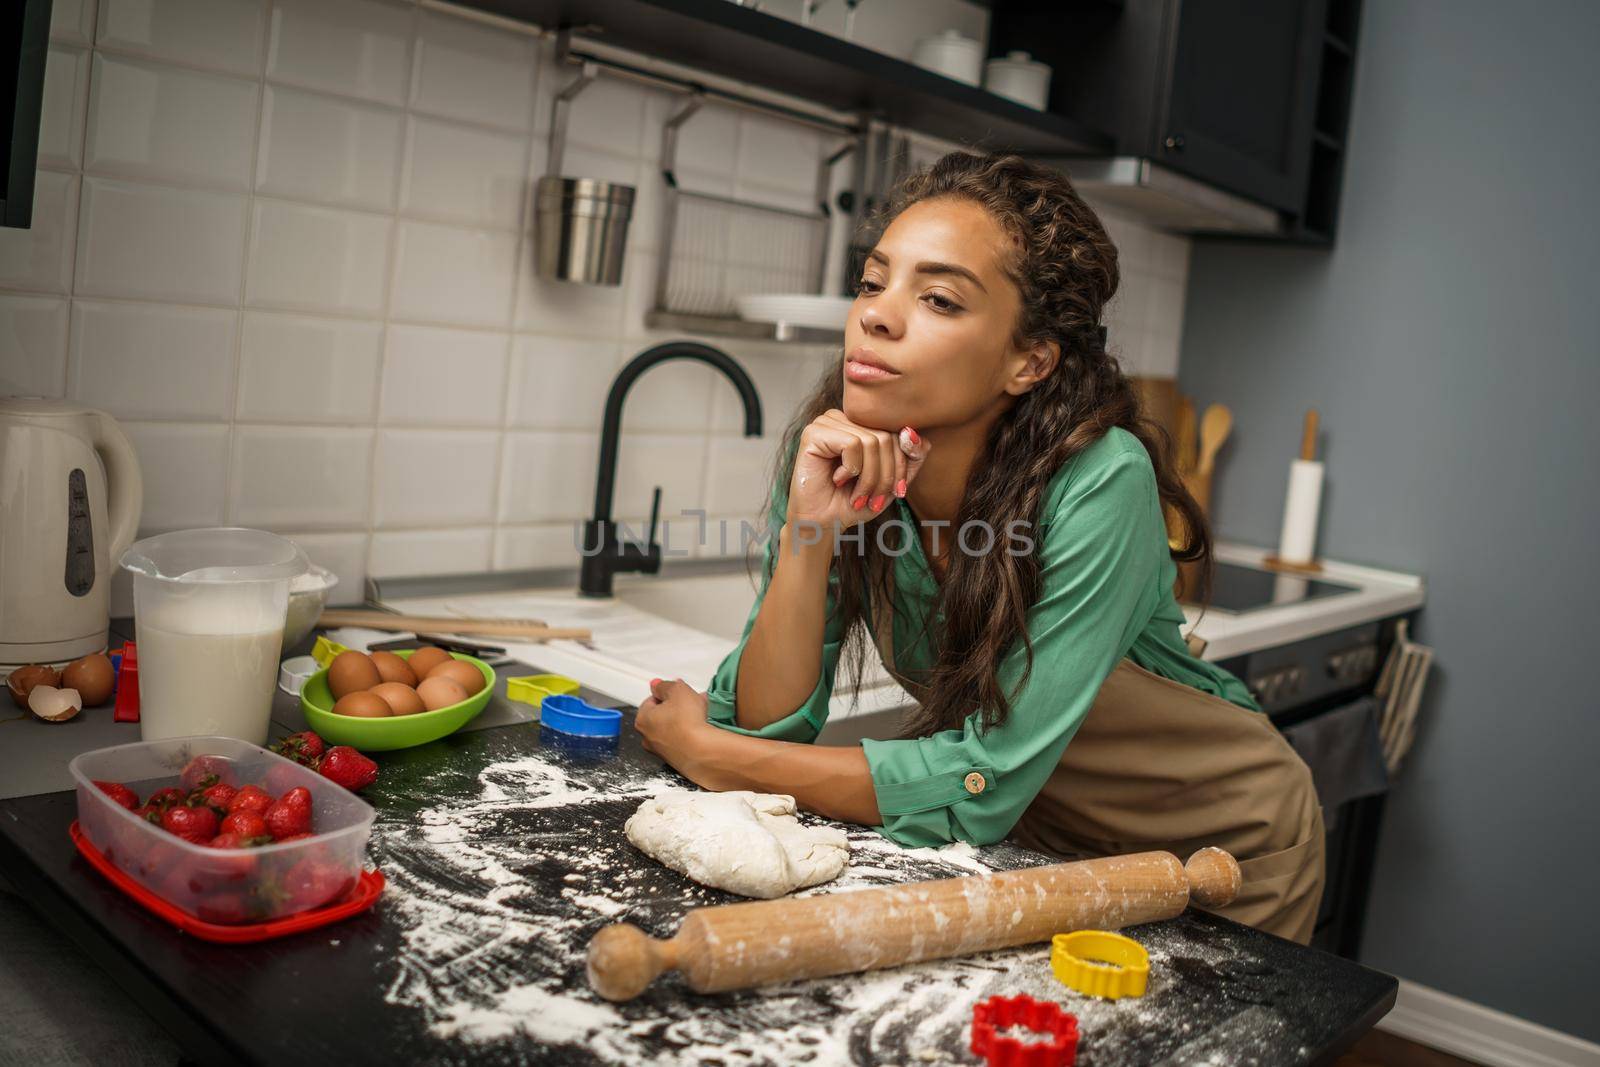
[(1450, 342)]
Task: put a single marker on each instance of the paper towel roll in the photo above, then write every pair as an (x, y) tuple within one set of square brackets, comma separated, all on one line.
[(1298, 542)]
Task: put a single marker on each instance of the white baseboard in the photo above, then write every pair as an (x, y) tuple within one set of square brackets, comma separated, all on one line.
[(1483, 1035)]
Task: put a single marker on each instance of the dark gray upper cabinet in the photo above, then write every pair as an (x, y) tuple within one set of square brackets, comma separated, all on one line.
[(24, 39), (1237, 105), (1250, 96)]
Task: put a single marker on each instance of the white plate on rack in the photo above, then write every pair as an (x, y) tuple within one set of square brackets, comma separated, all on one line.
[(798, 309)]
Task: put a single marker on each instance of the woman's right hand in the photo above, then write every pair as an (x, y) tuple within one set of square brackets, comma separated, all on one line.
[(845, 473)]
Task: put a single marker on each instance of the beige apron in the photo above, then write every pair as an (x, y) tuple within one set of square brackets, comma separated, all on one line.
[(1159, 765)]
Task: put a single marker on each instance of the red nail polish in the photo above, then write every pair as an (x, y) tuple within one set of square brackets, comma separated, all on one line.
[(915, 439), (859, 502), (900, 488), (654, 682), (879, 501)]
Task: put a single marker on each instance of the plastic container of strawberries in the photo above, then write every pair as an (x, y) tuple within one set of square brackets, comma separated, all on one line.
[(217, 885)]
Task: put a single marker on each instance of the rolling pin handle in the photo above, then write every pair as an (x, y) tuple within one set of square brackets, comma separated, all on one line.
[(623, 960), (1214, 878)]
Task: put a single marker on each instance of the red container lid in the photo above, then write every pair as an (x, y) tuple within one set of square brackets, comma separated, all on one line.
[(369, 887)]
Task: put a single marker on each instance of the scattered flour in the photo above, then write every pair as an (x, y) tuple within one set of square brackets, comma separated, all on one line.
[(492, 955)]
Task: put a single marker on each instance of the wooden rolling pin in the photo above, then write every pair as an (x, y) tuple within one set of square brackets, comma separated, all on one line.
[(737, 946), (527, 629)]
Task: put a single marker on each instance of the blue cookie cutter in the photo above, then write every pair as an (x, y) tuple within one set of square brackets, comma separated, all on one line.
[(573, 715)]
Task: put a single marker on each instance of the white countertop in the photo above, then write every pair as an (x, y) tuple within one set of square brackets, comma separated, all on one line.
[(634, 642)]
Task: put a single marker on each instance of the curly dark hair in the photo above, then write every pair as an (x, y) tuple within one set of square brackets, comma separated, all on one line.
[(1065, 267)]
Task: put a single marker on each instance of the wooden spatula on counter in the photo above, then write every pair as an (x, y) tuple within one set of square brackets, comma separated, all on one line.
[(527, 629), (738, 946)]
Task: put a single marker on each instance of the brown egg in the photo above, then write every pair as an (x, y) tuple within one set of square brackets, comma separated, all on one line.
[(22, 681), (402, 699), (440, 692), (465, 675), (363, 705), (351, 672), (92, 676), (391, 668), (426, 659)]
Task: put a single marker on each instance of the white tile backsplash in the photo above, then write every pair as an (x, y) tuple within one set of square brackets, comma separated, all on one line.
[(474, 72), (66, 102), (317, 259), (548, 476), (452, 275), (401, 553), (536, 547), (185, 469), (182, 245), (435, 376), (463, 174), (435, 477), (153, 361), (355, 47), (162, 123), (40, 257), (72, 20), (560, 383), (345, 554), (33, 345), (301, 477), (303, 368), (296, 262), (328, 149), (224, 35)]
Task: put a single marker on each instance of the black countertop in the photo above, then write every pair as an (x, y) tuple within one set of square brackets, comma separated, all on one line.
[(505, 853)]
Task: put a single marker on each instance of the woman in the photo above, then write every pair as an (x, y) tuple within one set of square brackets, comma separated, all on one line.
[(974, 488)]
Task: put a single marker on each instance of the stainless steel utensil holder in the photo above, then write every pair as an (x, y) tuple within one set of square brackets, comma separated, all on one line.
[(581, 224)]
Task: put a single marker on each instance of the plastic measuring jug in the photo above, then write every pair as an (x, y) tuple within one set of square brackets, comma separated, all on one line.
[(209, 608)]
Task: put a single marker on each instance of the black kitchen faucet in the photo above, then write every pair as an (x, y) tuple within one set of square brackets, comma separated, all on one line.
[(604, 553)]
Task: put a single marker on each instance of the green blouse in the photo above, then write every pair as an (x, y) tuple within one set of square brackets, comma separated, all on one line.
[(1106, 580)]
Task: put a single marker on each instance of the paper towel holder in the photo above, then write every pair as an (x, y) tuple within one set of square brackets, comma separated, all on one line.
[(1308, 453)]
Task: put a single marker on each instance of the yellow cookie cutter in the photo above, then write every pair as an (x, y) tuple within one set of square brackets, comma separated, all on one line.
[(325, 651), (1100, 963), (533, 688)]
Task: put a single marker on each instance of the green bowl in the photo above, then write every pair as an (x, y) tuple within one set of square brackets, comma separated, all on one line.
[(399, 731)]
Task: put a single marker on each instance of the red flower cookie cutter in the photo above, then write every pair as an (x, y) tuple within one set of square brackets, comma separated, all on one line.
[(1042, 1016)]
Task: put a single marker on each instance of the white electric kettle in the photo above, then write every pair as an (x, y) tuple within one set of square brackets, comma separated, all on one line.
[(70, 496)]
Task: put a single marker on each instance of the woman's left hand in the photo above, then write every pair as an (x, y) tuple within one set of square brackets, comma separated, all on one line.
[(673, 721)]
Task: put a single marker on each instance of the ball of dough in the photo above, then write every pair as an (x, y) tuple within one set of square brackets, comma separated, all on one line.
[(747, 843)]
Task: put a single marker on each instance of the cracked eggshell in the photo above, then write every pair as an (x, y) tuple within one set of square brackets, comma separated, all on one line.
[(54, 705)]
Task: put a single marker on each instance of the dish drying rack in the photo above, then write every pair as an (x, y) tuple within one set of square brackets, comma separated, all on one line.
[(715, 249)]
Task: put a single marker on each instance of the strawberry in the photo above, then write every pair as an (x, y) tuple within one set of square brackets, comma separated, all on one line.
[(223, 908), (197, 824), (226, 839), (304, 748), (292, 837), (290, 814), (310, 884), (217, 797), (250, 798), (120, 793), (162, 799), (203, 771), (349, 768), (149, 813), (244, 824)]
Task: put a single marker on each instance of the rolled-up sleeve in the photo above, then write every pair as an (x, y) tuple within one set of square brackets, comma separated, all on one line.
[(1100, 553), (806, 721)]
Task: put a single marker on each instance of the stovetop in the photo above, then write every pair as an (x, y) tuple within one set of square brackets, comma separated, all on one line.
[(1236, 588)]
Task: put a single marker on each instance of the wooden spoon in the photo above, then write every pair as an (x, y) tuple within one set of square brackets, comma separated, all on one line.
[(1215, 426)]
